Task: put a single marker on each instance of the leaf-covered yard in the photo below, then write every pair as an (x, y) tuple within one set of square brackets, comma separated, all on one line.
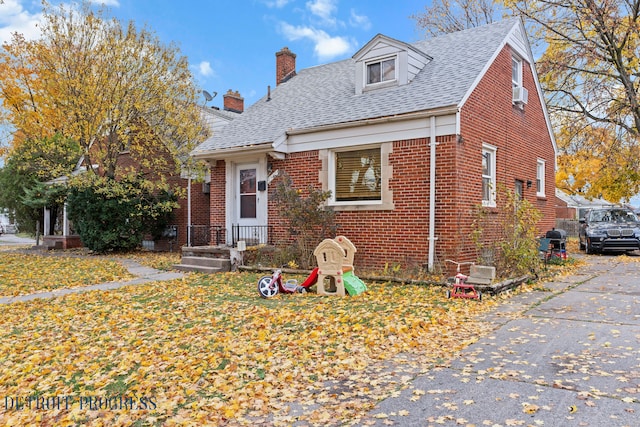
[(22, 274), (208, 350)]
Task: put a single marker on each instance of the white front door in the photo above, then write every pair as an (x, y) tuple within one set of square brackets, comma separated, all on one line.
[(249, 221), (247, 194)]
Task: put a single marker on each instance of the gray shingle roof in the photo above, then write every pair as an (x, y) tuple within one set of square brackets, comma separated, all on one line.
[(325, 94)]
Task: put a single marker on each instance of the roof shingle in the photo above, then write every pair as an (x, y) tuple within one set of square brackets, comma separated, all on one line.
[(325, 94)]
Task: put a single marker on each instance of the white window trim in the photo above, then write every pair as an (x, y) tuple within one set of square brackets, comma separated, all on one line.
[(386, 195), (540, 175), (518, 82), (382, 82), (492, 149)]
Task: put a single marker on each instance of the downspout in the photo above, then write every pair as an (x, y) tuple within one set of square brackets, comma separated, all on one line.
[(189, 209), (432, 193)]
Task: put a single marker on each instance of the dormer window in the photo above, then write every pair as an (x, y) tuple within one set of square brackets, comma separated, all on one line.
[(381, 71), (385, 62)]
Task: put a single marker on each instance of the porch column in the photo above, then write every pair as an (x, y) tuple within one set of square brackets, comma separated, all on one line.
[(66, 229), (47, 222)]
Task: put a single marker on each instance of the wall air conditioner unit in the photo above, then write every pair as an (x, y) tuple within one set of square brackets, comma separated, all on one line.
[(520, 95), (206, 187)]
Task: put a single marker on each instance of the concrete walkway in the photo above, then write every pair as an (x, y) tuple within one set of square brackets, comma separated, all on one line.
[(144, 275), (13, 240), (565, 355)]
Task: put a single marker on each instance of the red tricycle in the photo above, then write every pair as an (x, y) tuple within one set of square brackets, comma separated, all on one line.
[(269, 286), (460, 287)]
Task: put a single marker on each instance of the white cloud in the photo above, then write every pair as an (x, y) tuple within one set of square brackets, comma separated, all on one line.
[(326, 46), (15, 18), (359, 21), (278, 4), (323, 8), (205, 69), (20, 16)]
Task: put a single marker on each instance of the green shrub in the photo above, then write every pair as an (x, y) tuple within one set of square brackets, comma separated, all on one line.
[(510, 237), (309, 220), (112, 215)]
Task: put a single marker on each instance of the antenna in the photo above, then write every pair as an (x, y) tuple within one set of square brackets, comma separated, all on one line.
[(207, 96)]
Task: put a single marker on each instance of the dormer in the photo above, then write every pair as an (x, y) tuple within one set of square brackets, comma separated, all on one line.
[(385, 62)]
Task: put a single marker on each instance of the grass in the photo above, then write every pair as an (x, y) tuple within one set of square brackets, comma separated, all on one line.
[(27, 273), (206, 349)]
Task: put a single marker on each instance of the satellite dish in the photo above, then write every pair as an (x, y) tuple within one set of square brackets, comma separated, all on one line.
[(208, 96)]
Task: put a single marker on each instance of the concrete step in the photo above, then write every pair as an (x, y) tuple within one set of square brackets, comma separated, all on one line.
[(197, 268), (204, 264), (206, 251), (205, 261)]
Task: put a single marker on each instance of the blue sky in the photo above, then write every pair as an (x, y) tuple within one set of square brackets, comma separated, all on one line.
[(231, 44)]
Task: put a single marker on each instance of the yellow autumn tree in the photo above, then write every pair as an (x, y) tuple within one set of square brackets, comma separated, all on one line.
[(589, 71), (593, 162), (446, 16), (111, 88)]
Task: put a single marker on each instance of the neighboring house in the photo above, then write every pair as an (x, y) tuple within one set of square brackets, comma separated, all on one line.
[(575, 206), (409, 138), (194, 208)]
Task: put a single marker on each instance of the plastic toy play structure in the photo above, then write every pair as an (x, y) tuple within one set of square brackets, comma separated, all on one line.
[(333, 276)]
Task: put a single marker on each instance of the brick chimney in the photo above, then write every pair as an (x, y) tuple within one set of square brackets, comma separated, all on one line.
[(233, 101), (285, 65)]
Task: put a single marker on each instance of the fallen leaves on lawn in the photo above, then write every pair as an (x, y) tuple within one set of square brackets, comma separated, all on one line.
[(208, 349), (157, 260), (22, 274)]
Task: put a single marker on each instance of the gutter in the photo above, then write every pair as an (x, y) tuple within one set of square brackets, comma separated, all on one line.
[(274, 146), (386, 119)]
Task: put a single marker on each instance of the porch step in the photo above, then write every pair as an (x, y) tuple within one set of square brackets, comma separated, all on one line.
[(204, 264), (197, 268)]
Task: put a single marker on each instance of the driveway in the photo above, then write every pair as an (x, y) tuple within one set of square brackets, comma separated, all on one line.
[(567, 355)]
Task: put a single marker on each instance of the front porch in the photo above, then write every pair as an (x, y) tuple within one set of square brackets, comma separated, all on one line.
[(217, 235), (212, 249)]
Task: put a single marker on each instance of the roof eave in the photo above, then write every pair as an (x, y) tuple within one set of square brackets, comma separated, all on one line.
[(441, 111), (227, 153)]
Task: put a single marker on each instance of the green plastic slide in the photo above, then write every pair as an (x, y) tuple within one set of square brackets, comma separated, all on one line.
[(352, 283)]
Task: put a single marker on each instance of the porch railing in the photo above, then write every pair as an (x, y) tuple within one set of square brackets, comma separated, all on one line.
[(207, 235), (251, 234), (215, 235)]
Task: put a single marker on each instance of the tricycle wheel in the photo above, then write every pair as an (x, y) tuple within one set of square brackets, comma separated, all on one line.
[(266, 288), (479, 296)]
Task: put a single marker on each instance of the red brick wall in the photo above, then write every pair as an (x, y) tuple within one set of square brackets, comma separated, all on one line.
[(564, 211), (521, 137), (401, 235), (395, 236), (200, 204), (217, 196)]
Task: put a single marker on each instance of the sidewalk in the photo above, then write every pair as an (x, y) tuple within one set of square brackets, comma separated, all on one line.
[(565, 355), (13, 240), (144, 275)]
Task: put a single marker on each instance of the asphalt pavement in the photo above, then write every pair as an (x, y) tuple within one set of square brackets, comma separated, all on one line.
[(566, 355)]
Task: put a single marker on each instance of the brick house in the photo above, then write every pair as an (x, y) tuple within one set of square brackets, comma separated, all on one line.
[(574, 206), (193, 209), (409, 138)]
